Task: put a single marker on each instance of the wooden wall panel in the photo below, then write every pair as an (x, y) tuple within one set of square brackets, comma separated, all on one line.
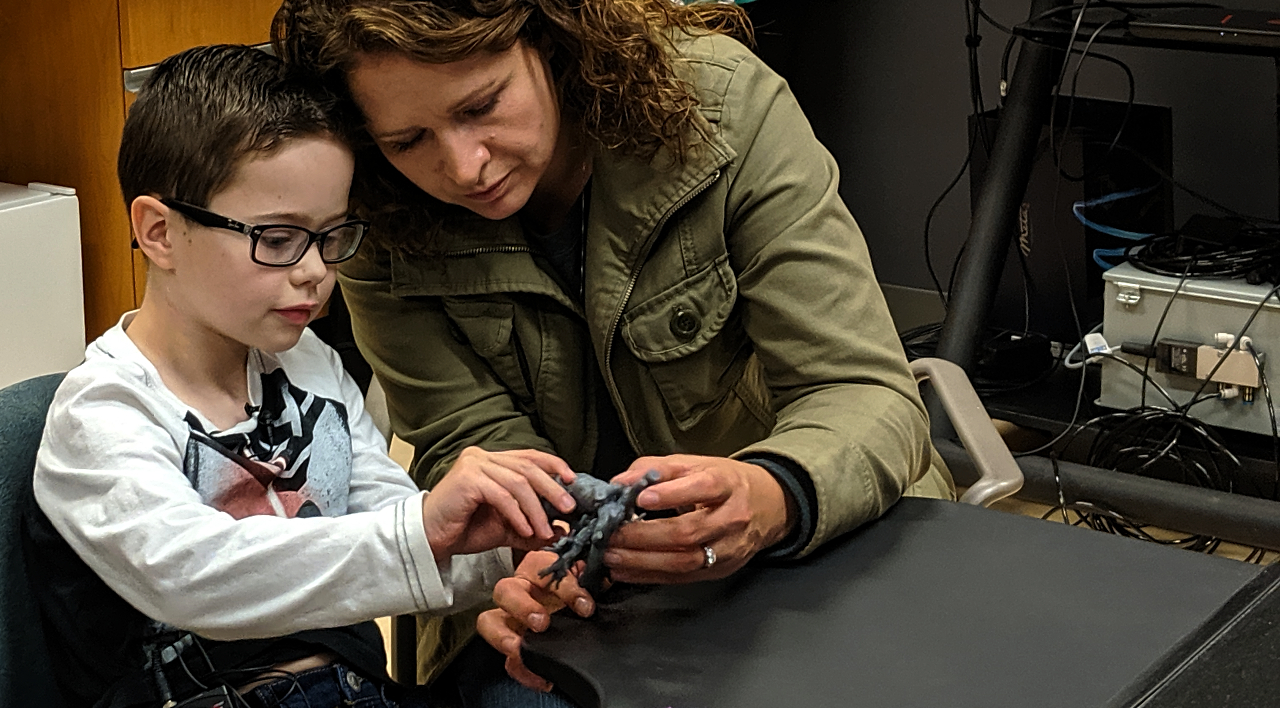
[(151, 30), (61, 113)]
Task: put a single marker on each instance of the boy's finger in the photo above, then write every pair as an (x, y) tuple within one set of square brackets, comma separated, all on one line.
[(498, 497), (549, 463), (546, 486), (520, 488)]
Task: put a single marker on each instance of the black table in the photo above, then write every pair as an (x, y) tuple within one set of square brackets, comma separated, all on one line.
[(935, 604)]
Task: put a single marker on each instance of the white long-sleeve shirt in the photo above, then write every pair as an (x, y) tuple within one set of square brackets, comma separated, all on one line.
[(294, 519)]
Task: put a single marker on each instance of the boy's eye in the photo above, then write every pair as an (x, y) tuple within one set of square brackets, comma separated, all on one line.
[(279, 238)]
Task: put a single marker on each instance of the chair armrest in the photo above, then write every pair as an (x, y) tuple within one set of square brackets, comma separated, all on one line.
[(1000, 475)]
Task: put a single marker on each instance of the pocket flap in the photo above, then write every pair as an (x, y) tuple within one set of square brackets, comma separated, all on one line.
[(486, 325), (683, 318)]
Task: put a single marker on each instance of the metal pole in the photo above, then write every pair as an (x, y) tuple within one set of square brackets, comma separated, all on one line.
[(1179, 507), (995, 215), (1003, 186)]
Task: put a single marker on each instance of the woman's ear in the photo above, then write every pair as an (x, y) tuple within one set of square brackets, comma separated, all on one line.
[(151, 230)]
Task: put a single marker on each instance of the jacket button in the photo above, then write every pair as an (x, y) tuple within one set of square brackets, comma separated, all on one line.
[(685, 323)]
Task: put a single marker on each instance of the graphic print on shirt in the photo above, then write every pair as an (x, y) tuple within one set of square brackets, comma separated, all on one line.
[(295, 463)]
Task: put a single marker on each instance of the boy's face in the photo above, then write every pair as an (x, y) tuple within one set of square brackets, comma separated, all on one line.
[(304, 182)]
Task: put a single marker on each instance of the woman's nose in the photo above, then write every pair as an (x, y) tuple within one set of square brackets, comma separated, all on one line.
[(463, 159)]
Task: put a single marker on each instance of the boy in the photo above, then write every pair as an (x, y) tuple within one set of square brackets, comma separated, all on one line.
[(220, 519)]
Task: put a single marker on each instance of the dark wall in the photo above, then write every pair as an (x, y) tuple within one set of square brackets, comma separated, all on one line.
[(886, 88)]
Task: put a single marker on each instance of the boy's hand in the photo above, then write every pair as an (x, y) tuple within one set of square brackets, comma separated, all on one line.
[(493, 499), (525, 602)]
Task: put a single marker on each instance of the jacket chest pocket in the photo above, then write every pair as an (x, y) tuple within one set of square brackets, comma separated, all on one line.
[(690, 342), (490, 329)]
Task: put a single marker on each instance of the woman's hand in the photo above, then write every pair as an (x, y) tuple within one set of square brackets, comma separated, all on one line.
[(734, 508), (525, 602), (492, 499)]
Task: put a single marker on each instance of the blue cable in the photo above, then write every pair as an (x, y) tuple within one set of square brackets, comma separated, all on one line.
[(1079, 207), (1100, 253)]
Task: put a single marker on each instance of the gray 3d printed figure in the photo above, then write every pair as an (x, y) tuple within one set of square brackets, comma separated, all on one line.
[(601, 509)]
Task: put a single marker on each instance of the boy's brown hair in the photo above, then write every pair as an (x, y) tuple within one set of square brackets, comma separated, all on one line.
[(202, 111)]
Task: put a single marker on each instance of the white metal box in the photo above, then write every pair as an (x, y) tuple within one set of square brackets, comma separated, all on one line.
[(1203, 307), (41, 293)]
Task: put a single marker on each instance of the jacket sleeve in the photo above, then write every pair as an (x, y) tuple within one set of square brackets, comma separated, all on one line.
[(848, 410), (109, 478), (441, 396)]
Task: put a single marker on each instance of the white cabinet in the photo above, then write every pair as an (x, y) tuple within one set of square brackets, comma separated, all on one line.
[(41, 296)]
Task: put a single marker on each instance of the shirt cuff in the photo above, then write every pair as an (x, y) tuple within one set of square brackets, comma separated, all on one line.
[(425, 577), (797, 485)]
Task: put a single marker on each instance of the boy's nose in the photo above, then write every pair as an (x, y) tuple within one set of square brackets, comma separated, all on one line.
[(311, 268)]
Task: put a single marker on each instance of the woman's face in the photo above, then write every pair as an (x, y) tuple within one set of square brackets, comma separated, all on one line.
[(479, 132)]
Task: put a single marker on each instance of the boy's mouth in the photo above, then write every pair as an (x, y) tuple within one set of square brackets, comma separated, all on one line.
[(297, 315)]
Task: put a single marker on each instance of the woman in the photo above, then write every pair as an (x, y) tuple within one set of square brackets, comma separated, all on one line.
[(604, 229)]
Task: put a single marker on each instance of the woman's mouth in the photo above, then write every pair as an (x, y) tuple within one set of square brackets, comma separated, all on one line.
[(491, 193)]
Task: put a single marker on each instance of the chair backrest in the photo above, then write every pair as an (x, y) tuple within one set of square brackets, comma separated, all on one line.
[(1000, 474), (26, 675)]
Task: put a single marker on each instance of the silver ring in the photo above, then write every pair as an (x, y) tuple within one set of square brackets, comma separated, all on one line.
[(709, 554)]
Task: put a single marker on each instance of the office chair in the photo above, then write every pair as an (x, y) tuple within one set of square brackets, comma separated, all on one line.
[(1000, 475), (26, 677)]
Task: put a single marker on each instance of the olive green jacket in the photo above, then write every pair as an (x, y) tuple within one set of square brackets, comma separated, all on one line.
[(730, 303)]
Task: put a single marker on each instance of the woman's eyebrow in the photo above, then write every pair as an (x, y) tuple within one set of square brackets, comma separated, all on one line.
[(492, 86)]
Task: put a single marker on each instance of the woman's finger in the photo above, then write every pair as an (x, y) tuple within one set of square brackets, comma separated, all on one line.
[(526, 602), (625, 564), (689, 530), (518, 671), (494, 628)]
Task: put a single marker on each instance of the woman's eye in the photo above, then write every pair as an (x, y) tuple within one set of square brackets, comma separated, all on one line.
[(481, 110), (406, 145)]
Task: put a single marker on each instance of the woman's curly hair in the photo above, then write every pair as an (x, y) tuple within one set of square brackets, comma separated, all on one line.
[(611, 60)]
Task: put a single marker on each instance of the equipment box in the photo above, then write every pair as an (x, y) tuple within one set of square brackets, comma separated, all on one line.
[(1204, 314)]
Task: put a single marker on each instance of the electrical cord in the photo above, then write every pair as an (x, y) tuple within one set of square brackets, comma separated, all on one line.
[(973, 10), (1252, 253), (1155, 335), (928, 222), (1271, 413), (922, 342)]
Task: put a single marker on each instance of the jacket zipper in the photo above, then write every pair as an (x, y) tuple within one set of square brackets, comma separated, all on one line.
[(512, 248), (626, 295), (489, 249)]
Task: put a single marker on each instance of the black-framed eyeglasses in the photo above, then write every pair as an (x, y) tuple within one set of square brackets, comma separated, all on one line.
[(282, 245)]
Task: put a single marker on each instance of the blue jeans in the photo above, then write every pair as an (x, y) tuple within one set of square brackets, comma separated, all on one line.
[(328, 687), (482, 682)]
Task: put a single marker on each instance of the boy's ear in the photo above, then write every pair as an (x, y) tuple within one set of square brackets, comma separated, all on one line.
[(151, 229)]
